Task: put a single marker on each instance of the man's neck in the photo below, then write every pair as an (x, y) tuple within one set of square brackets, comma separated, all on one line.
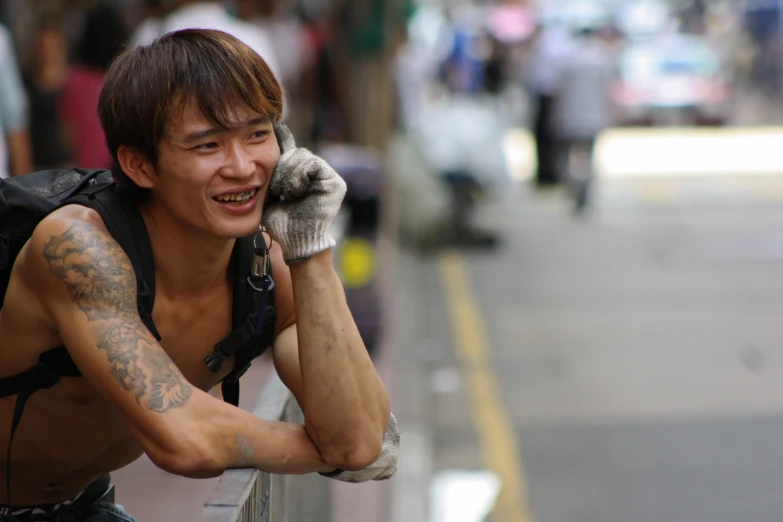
[(187, 263)]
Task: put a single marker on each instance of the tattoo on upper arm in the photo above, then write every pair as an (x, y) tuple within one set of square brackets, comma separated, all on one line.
[(97, 272), (101, 281)]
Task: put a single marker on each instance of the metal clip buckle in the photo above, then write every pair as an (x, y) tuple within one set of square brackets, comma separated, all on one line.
[(260, 258)]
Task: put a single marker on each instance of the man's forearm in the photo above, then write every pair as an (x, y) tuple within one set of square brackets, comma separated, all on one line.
[(344, 400), (245, 441)]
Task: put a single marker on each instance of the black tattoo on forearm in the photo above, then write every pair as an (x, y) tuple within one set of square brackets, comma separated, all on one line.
[(101, 281)]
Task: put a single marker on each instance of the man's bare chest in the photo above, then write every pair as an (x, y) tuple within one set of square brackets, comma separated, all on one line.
[(189, 329), (189, 332)]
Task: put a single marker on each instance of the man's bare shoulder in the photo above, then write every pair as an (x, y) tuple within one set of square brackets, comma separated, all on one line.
[(26, 329), (74, 213), (31, 265)]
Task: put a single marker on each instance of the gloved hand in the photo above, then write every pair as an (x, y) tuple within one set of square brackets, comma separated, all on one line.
[(384, 467), (306, 194)]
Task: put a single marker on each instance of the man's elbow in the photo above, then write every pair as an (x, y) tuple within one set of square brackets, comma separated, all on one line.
[(355, 456)]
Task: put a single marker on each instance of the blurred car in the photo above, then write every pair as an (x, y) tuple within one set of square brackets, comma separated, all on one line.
[(671, 80)]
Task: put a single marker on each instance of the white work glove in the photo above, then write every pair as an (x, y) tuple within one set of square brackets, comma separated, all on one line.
[(305, 196), (384, 467)]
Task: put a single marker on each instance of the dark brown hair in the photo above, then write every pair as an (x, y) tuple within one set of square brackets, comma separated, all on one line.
[(146, 85)]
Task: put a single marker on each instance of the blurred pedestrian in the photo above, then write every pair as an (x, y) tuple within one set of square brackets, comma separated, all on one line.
[(103, 38), (44, 80), (284, 31), (582, 109), (15, 149), (551, 47)]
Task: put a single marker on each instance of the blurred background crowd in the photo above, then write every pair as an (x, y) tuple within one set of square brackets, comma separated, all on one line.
[(453, 76), (56, 51)]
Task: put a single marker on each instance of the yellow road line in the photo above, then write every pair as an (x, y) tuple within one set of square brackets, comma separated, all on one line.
[(496, 436)]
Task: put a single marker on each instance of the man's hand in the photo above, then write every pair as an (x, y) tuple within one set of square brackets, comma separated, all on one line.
[(384, 467), (306, 196)]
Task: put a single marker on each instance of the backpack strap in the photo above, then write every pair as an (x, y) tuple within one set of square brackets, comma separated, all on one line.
[(52, 365), (253, 315)]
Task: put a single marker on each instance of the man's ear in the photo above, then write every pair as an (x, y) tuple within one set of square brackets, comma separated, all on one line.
[(136, 166)]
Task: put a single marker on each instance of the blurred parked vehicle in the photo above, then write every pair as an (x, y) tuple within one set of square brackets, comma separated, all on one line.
[(357, 231), (671, 80)]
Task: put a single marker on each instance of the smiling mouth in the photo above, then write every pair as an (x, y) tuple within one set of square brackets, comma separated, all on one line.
[(237, 199)]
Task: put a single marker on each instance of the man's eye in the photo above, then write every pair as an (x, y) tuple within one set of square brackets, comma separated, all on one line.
[(260, 134), (206, 146)]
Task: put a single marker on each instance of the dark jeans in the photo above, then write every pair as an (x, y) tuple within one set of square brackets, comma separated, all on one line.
[(546, 144), (96, 504)]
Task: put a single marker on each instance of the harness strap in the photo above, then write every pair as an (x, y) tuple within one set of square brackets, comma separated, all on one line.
[(250, 313), (230, 390), (231, 344), (52, 365), (21, 399)]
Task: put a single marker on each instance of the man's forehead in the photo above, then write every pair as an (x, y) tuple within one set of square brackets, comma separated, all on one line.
[(189, 116)]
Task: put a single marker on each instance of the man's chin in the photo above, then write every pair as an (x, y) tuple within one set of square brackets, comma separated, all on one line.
[(250, 228)]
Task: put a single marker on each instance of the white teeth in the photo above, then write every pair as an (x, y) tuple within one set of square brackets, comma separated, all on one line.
[(236, 198)]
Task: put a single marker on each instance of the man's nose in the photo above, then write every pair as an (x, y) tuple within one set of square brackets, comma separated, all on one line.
[(239, 162)]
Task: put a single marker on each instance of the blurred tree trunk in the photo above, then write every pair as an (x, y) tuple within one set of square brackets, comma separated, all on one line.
[(371, 41)]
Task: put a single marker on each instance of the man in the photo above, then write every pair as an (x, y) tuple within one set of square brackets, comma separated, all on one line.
[(192, 122), (16, 155)]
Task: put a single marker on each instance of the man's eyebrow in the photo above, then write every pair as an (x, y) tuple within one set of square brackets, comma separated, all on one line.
[(257, 121), (205, 133), (201, 134)]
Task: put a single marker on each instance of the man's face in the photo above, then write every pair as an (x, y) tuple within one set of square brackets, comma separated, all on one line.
[(215, 180)]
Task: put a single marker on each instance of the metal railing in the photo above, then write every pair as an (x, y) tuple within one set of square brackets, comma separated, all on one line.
[(247, 495)]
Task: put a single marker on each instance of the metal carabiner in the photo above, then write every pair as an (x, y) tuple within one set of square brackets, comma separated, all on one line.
[(261, 259)]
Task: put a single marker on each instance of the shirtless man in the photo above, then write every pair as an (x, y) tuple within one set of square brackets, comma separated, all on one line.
[(190, 119)]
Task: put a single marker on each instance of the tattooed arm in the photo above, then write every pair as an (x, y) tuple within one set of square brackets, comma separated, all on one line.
[(88, 287)]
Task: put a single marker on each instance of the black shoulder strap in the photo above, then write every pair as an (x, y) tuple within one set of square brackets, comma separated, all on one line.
[(124, 222), (253, 313)]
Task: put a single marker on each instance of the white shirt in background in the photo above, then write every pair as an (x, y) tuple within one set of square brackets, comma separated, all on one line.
[(13, 99), (551, 49), (209, 15), (583, 107)]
